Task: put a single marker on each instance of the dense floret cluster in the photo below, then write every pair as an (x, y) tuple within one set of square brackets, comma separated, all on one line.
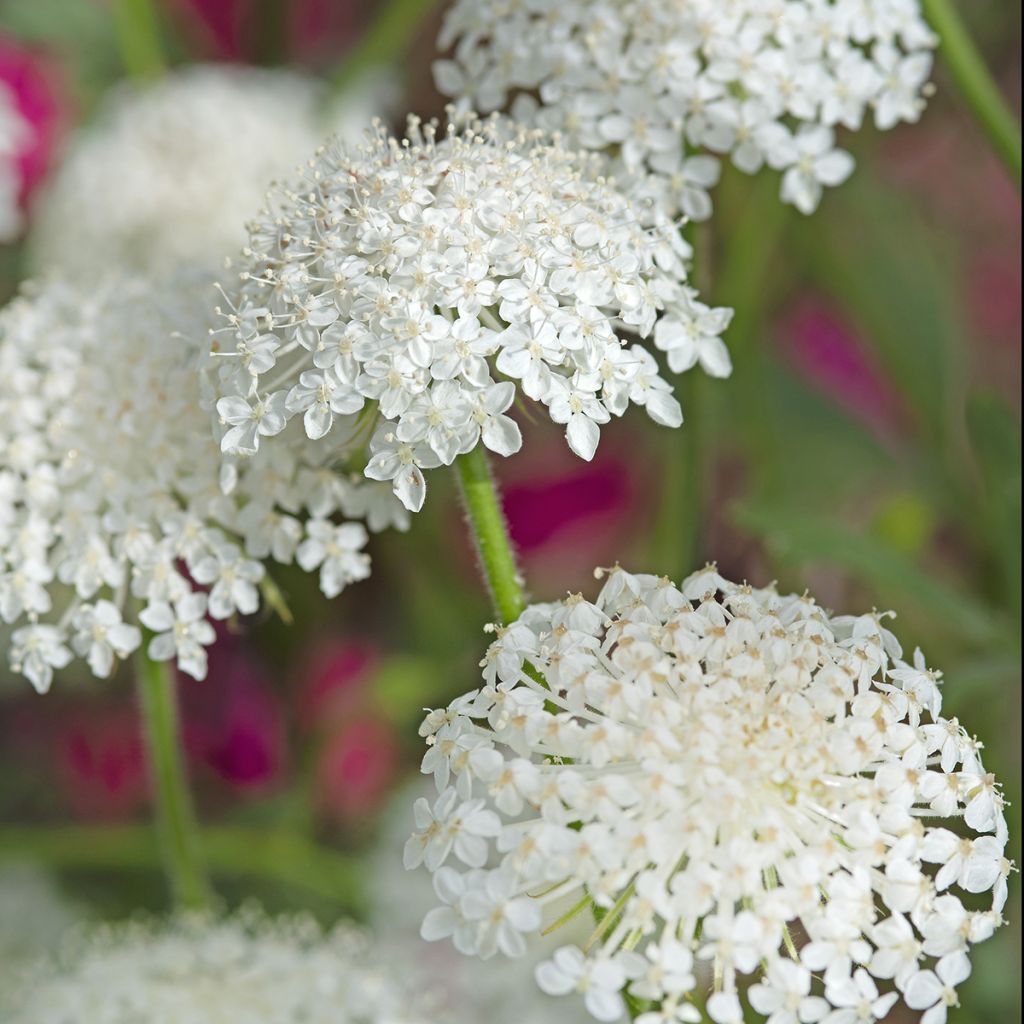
[(735, 779), (168, 173), (667, 87), (401, 297), (112, 506)]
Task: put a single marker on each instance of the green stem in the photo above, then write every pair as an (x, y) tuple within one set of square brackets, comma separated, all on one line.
[(232, 852), (176, 822), (386, 40), (976, 84), (487, 522), (677, 527), (138, 37)]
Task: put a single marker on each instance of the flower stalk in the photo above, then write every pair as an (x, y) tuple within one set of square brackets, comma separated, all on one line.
[(177, 828), (490, 532), (976, 85), (138, 37)]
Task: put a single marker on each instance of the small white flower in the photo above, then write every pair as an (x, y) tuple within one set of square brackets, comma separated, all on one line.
[(101, 635), (337, 551), (182, 633)]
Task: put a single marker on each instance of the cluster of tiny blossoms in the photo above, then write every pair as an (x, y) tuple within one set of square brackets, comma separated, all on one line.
[(247, 969), (663, 85), (168, 173), (413, 288), (737, 780), (15, 134), (112, 503)]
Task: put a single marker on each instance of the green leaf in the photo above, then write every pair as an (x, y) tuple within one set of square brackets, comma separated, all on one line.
[(797, 537)]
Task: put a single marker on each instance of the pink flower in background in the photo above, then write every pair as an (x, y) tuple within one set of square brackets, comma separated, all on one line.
[(357, 767), (565, 516), (339, 674), (29, 130), (100, 761), (826, 351), (235, 727), (230, 29)]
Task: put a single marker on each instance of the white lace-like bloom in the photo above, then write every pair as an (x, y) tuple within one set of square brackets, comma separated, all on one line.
[(661, 85), (15, 134), (497, 991), (170, 171), (34, 915), (247, 969), (113, 511), (736, 779), (399, 298)]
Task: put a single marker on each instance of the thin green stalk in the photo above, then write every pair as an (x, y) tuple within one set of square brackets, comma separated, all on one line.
[(677, 528), (138, 37), (263, 855), (386, 40), (176, 822), (487, 522), (976, 84)]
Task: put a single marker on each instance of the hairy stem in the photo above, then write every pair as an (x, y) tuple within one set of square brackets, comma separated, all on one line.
[(177, 829), (138, 37), (976, 84), (487, 523)]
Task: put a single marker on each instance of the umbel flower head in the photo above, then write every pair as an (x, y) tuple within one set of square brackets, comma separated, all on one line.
[(737, 780), (169, 171), (411, 290), (112, 505), (247, 969), (667, 86)]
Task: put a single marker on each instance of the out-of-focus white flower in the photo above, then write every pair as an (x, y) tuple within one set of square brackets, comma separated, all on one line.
[(113, 511), (170, 171), (34, 915), (660, 85), (497, 990), (15, 135), (384, 294), (247, 969), (732, 779)]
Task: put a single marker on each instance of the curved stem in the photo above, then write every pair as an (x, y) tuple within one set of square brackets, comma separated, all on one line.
[(487, 523), (976, 85), (138, 37), (385, 41), (176, 822), (233, 852)]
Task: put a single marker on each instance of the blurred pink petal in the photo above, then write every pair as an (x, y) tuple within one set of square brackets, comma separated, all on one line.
[(338, 675), (825, 350), (233, 722), (357, 768), (101, 763), (32, 86)]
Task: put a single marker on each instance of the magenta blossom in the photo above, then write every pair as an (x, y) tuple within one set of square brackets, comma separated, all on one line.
[(827, 352)]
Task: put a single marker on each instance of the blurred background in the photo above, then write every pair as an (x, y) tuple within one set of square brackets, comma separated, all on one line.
[(867, 447)]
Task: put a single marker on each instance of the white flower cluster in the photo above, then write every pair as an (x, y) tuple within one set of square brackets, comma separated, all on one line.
[(499, 991), (663, 84), (112, 508), (735, 779), (170, 171), (247, 969), (15, 133), (411, 288)]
